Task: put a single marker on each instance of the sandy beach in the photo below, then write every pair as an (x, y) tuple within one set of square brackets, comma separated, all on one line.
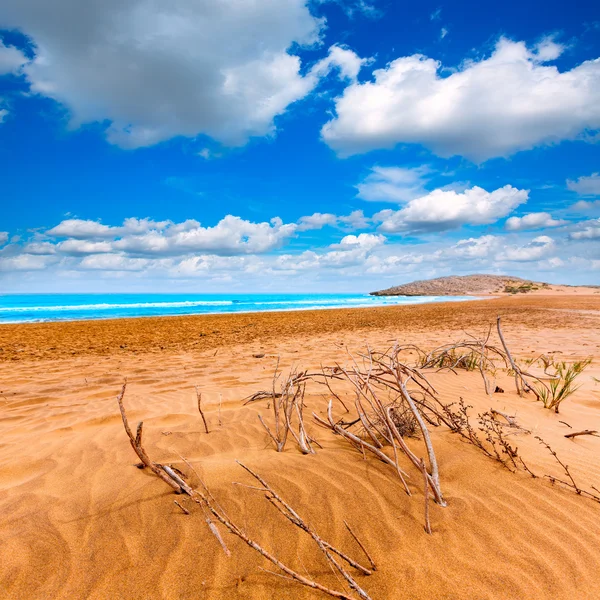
[(80, 521)]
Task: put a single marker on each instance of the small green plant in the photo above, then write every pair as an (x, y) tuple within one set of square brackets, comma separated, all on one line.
[(561, 385)]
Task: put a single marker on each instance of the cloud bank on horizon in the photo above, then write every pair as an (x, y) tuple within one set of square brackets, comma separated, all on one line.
[(294, 145)]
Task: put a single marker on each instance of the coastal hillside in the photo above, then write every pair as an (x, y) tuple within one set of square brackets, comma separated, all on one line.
[(465, 285)]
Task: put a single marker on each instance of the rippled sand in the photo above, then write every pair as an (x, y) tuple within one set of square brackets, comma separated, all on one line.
[(80, 521)]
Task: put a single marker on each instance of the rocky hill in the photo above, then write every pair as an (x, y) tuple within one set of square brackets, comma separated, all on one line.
[(464, 285)]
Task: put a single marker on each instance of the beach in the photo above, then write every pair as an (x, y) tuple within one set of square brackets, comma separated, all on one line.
[(81, 521)]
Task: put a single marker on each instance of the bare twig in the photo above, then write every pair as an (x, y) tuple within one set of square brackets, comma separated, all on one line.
[(183, 508), (136, 444), (584, 432), (325, 547), (199, 399), (362, 547)]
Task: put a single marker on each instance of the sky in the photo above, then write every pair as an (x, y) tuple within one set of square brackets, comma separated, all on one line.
[(296, 146)]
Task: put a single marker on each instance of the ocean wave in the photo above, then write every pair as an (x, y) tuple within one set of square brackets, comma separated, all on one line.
[(77, 307)]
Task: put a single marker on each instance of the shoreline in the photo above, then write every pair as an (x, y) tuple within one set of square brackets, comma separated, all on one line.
[(180, 334), (437, 299)]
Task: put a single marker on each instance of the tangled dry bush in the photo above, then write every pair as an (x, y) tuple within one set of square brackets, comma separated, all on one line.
[(387, 408)]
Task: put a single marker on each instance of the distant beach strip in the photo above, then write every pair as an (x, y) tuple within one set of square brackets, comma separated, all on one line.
[(31, 308)]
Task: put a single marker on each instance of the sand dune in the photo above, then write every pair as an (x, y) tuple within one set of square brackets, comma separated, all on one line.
[(80, 521)]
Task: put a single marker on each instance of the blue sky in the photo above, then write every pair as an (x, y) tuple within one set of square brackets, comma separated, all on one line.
[(279, 145)]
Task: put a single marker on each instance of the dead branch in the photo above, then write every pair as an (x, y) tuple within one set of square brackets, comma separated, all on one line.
[(183, 508), (360, 443), (426, 490), (289, 513), (136, 444), (199, 399), (511, 420), (362, 547), (584, 432), (571, 483), (521, 382)]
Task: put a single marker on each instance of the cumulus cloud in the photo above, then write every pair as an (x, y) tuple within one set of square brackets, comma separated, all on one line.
[(364, 241), (81, 229), (393, 184), (154, 71), (3, 237), (586, 205), (82, 247), (316, 221), (473, 248), (486, 108), (25, 262), (586, 186), (536, 249), (590, 230), (113, 262), (351, 251), (355, 220), (539, 220), (11, 59), (447, 209), (231, 235), (342, 58)]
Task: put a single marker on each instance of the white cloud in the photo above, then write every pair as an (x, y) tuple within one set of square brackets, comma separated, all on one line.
[(447, 209), (393, 184), (25, 262), (41, 248), (3, 237), (474, 248), (355, 220), (231, 235), (363, 241), (533, 221), (113, 262), (3, 114), (80, 229), (75, 247), (351, 251), (590, 231), (493, 107), (342, 58), (155, 70), (536, 249), (548, 49), (11, 59), (586, 186), (586, 206), (316, 221), (443, 33)]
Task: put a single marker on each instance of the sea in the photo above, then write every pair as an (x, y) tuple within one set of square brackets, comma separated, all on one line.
[(26, 308)]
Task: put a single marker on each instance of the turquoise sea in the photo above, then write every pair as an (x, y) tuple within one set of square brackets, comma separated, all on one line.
[(21, 308)]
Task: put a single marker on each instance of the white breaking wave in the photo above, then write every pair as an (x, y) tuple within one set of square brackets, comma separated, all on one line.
[(111, 306)]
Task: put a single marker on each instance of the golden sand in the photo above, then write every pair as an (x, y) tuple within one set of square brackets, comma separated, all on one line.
[(80, 521)]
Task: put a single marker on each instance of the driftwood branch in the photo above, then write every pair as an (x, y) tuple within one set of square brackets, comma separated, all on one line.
[(136, 444), (212, 511), (584, 432), (289, 513), (199, 399)]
